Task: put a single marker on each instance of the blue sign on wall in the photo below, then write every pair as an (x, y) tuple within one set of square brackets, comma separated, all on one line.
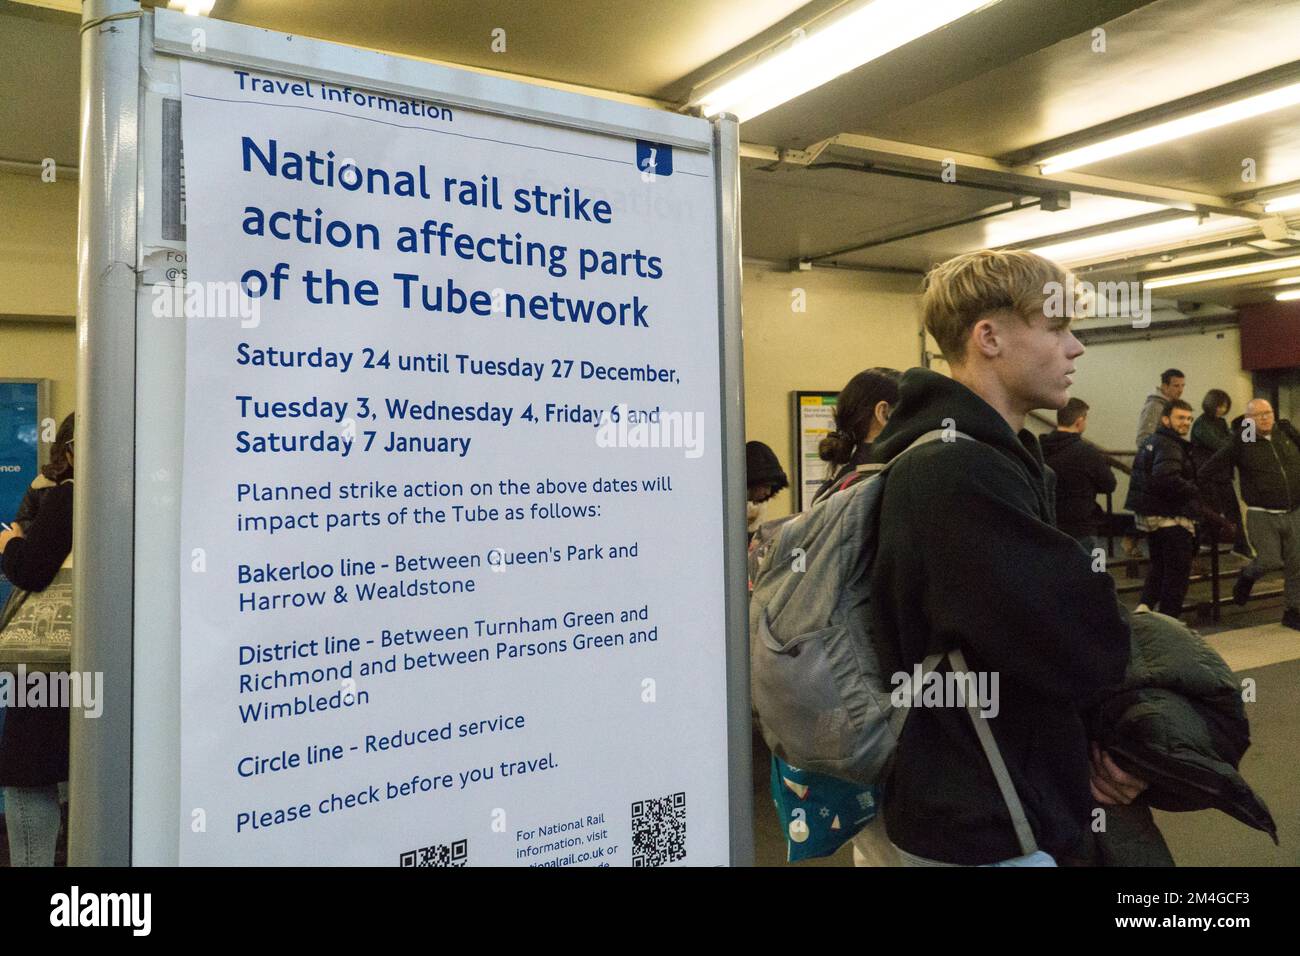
[(20, 423)]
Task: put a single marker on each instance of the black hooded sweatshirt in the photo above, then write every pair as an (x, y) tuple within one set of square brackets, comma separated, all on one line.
[(1082, 474), (969, 557)]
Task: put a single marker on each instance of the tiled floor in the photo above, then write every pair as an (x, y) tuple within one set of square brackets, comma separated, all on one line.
[(1258, 646)]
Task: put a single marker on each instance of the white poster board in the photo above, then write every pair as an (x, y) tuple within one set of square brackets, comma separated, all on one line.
[(451, 523)]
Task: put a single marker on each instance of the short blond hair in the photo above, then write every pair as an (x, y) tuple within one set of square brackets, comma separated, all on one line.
[(961, 291)]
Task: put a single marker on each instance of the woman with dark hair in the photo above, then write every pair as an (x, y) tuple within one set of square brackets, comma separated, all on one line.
[(764, 477), (1210, 432), (861, 412), (50, 475), (34, 742)]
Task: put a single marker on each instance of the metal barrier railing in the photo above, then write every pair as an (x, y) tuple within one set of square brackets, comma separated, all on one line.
[(1115, 459)]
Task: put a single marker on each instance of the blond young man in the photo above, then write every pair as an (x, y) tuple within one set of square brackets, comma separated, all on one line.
[(968, 557)]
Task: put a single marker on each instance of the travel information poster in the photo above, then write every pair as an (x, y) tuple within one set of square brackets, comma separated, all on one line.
[(452, 517)]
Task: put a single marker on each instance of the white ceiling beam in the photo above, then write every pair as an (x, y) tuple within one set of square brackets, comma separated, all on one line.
[(989, 170)]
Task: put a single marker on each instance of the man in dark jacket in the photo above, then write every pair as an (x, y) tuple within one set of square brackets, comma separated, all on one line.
[(1162, 493), (968, 558), (1266, 454), (1082, 474)]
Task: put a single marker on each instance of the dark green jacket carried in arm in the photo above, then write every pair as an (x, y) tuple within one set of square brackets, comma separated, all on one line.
[(1177, 721)]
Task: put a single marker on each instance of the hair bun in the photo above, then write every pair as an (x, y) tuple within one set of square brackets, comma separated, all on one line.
[(836, 448)]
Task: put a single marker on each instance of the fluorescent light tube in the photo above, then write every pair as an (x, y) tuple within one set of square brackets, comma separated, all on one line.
[(1188, 125), (1282, 203), (1226, 272), (1288, 296), (1135, 237), (194, 8), (850, 40)]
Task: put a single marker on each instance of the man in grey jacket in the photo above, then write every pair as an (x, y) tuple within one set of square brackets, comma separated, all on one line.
[(1172, 382)]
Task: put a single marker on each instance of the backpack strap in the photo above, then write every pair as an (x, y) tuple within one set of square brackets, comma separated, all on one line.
[(936, 434), (870, 469), (957, 660), (1024, 834)]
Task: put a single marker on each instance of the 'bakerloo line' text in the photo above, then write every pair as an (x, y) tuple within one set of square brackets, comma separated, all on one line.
[(496, 558)]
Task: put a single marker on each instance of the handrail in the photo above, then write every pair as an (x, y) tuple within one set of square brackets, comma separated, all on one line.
[(1112, 459)]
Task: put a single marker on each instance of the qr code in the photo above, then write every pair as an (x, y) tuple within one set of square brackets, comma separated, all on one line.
[(440, 854), (659, 830)]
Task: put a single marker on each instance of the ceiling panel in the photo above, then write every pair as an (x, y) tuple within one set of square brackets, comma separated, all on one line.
[(1013, 75), (1160, 52), (792, 213), (906, 81), (638, 48)]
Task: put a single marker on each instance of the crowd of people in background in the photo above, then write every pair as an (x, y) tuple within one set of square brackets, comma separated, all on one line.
[(1181, 489), (990, 545)]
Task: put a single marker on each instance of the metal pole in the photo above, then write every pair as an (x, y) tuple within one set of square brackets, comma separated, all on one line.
[(1214, 574), (1110, 526), (103, 501), (726, 158)]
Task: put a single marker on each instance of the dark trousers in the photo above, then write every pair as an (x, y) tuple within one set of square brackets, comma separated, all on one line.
[(1171, 566)]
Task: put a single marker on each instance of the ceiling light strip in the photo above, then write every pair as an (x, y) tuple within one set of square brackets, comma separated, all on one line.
[(1200, 121), (1226, 272), (864, 32)]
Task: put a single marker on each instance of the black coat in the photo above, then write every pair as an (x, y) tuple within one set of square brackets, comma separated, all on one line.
[(31, 503), (34, 742), (968, 557), (1178, 722), (1163, 482), (1269, 467), (1082, 474), (1209, 434)]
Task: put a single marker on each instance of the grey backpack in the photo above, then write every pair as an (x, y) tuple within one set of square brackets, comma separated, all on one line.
[(820, 684)]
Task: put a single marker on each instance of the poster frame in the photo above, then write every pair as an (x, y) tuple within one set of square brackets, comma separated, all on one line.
[(124, 789), (800, 502)]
